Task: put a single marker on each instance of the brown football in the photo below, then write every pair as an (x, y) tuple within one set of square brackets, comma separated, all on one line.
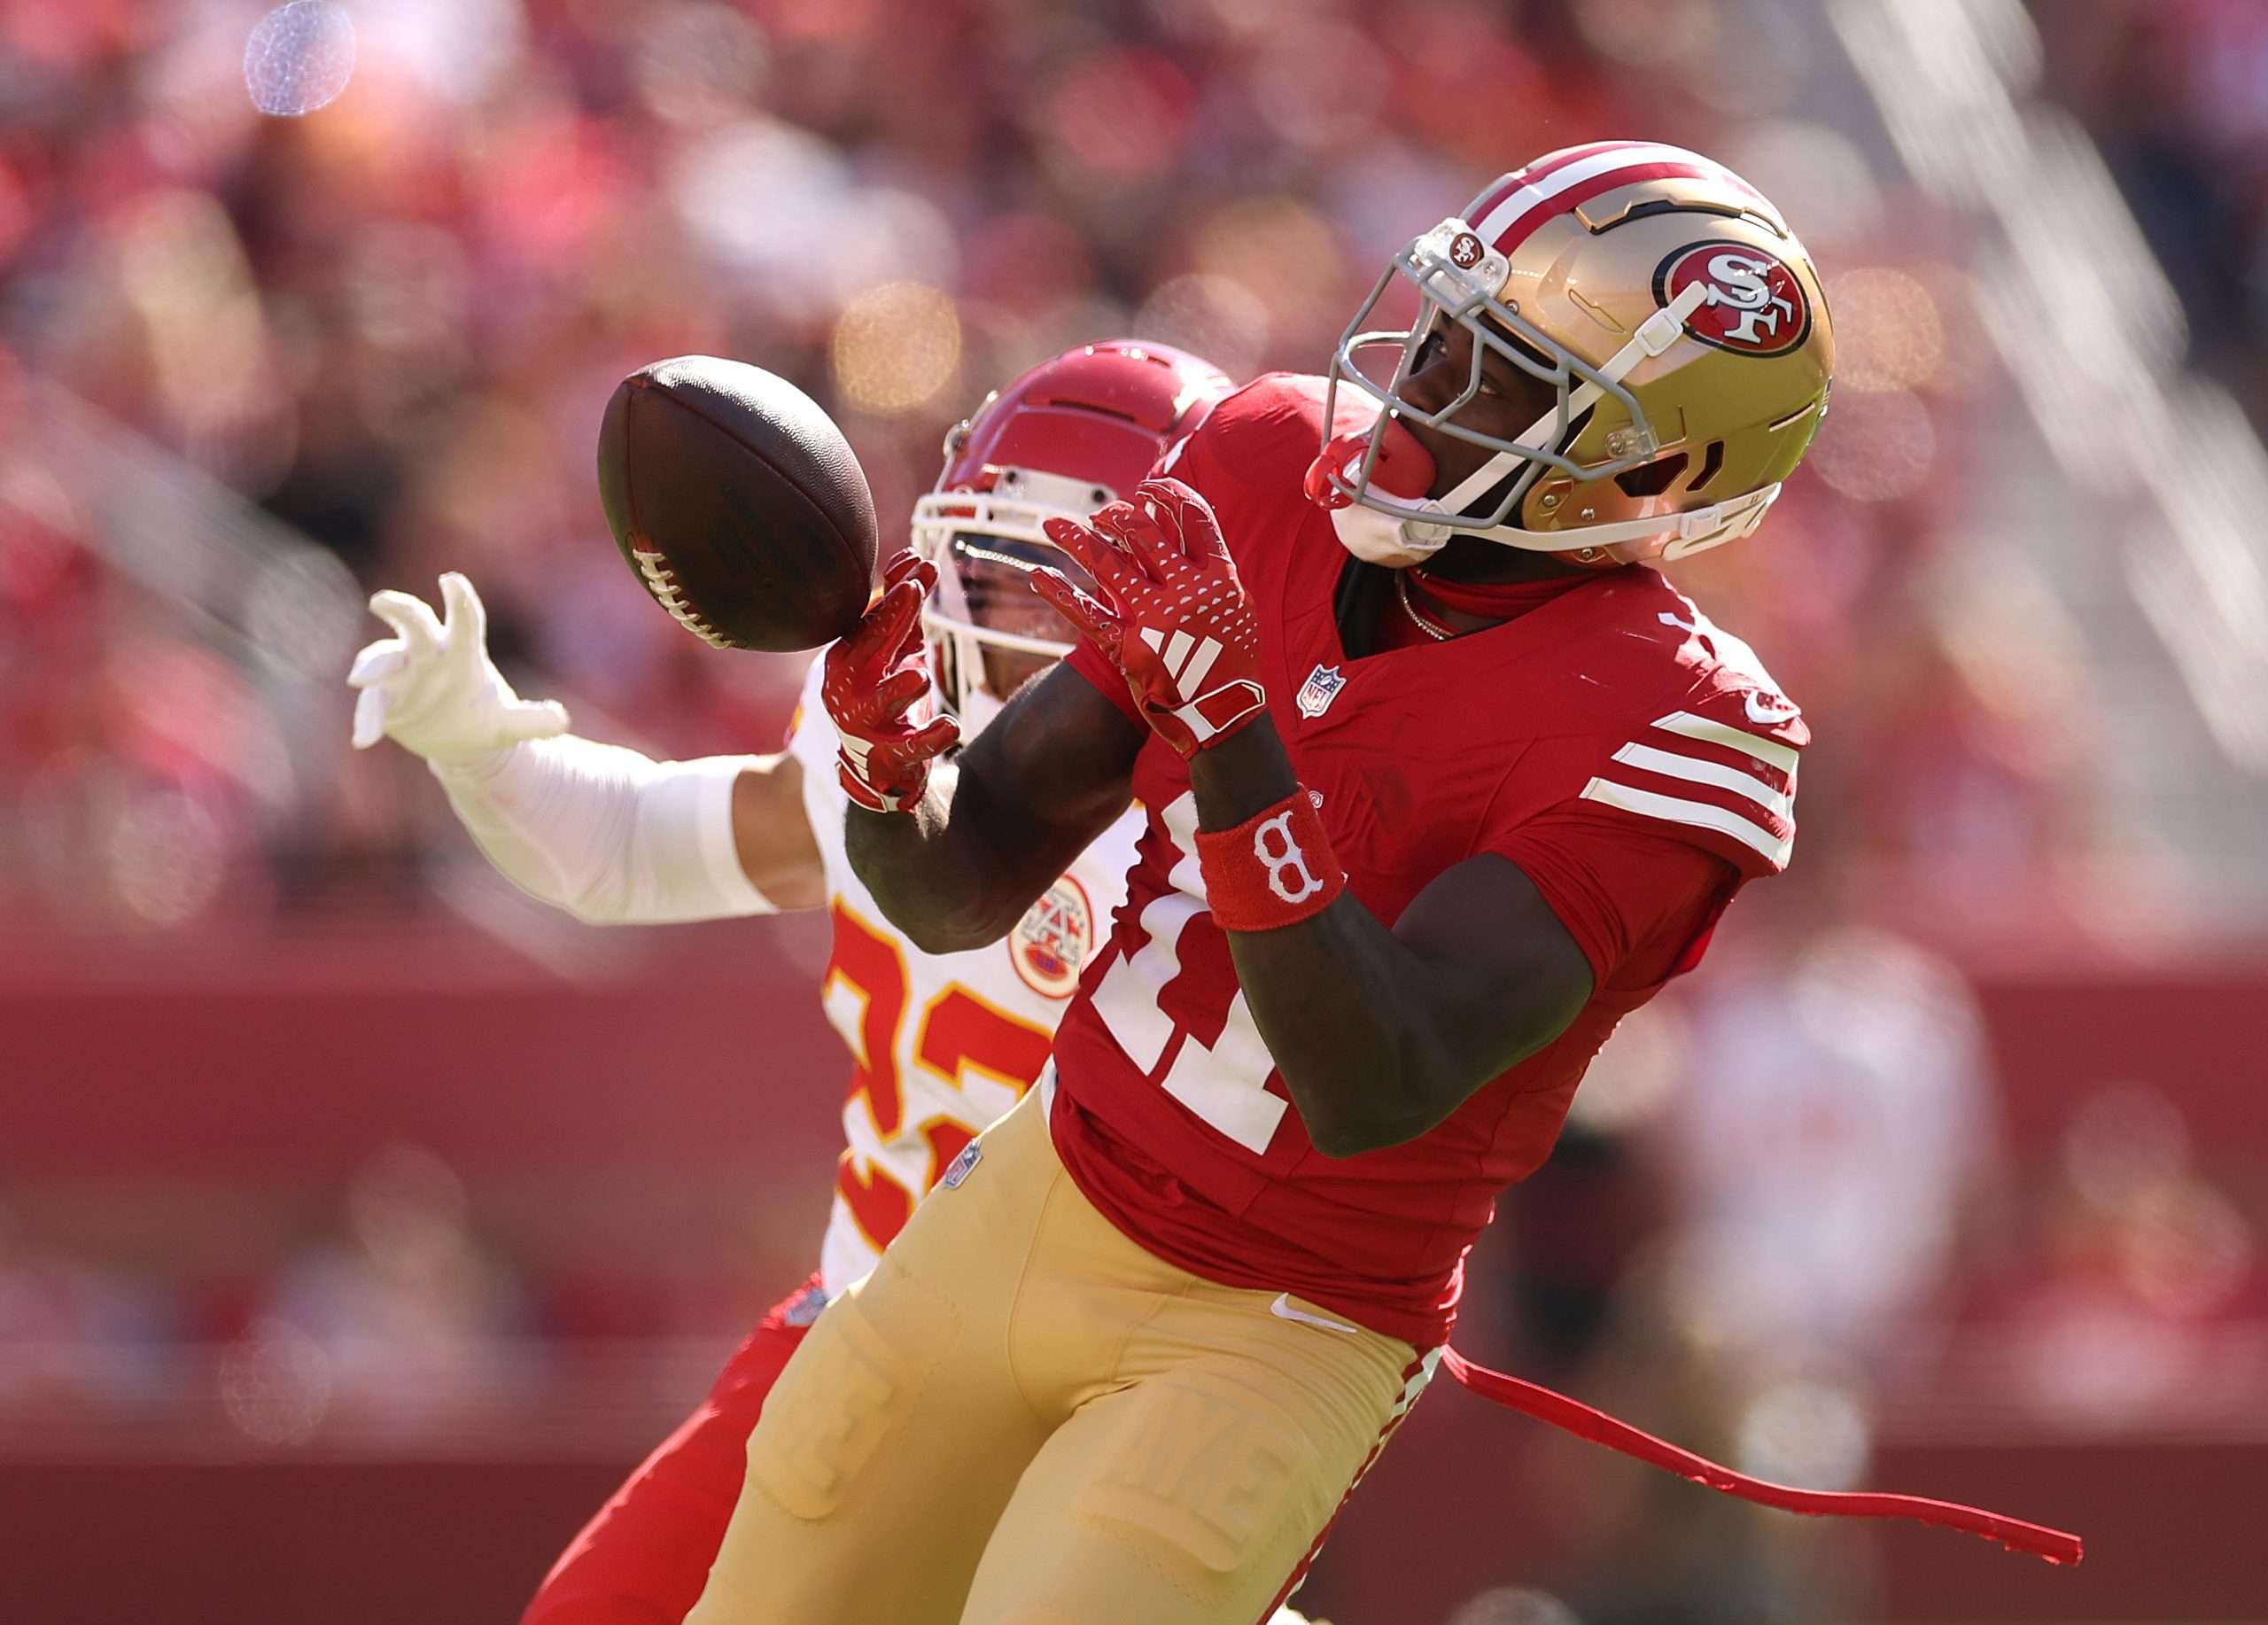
[(738, 503)]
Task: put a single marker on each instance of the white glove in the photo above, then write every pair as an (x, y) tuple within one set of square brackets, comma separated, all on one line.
[(433, 690), (604, 832)]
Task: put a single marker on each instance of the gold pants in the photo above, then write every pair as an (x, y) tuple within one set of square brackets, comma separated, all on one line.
[(1022, 1418)]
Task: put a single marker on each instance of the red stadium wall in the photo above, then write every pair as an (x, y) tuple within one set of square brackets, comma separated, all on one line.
[(711, 1063), (310, 1054)]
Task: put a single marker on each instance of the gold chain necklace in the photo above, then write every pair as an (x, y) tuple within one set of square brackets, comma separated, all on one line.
[(1431, 628)]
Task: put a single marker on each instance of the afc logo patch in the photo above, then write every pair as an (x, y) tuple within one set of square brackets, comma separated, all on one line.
[(1752, 302), (1051, 943), (1321, 687)]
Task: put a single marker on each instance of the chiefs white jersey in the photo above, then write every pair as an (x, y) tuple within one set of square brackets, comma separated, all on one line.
[(940, 1044)]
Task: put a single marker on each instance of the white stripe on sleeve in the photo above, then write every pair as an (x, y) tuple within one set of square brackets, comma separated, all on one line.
[(1770, 751), (1778, 803), (1700, 814)]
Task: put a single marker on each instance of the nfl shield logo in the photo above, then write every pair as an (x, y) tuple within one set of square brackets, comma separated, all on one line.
[(963, 1166), (1321, 687)]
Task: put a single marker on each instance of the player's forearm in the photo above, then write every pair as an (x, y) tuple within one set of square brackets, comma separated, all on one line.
[(1037, 786), (931, 874), (1372, 1040), (959, 870), (607, 834)]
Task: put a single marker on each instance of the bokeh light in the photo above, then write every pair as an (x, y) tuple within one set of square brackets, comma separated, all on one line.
[(1514, 1605), (896, 348), (1123, 114), (299, 57), (1805, 1432), (408, 1211), (304, 611), (1320, 87), (454, 50), (697, 64), (1877, 447), (1217, 317), (758, 194), (276, 1383), (1814, 175), (785, 217), (1887, 331), (1286, 255), (167, 857), (2123, 1141), (1644, 33), (2186, 1250)]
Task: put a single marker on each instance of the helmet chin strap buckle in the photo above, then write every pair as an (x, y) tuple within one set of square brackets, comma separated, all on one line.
[(1381, 539)]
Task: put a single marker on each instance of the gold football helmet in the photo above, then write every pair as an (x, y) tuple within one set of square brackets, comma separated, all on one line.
[(1679, 320)]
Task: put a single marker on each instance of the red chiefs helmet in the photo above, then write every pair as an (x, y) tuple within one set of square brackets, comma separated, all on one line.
[(1072, 434)]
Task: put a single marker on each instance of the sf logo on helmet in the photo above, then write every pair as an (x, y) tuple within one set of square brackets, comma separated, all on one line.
[(1752, 302)]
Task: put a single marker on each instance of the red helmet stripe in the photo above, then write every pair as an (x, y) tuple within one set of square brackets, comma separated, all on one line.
[(1479, 209), (1586, 173)]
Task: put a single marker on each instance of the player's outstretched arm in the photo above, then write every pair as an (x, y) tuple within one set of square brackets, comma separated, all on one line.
[(1379, 1034), (602, 832), (955, 864)]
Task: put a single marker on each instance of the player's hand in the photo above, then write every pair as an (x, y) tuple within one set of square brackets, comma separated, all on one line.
[(1179, 624), (877, 691), (432, 686)]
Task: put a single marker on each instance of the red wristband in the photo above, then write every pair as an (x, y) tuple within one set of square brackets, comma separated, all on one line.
[(1275, 869)]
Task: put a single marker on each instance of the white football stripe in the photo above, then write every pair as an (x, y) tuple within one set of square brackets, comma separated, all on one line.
[(1780, 803), (1192, 676), (1700, 814), (1574, 175), (1770, 751), (1176, 650)]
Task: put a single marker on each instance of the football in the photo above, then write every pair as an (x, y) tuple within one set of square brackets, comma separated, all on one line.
[(738, 503)]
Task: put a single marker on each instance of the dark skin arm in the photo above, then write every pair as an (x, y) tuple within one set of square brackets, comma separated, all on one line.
[(1033, 792), (1379, 1034)]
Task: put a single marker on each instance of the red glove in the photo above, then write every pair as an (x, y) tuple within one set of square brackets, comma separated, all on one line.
[(877, 691), (1178, 625)]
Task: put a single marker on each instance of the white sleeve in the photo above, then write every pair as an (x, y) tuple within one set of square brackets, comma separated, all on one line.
[(611, 837)]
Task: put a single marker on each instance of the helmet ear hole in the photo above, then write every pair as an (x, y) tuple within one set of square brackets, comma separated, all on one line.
[(1656, 477), (1711, 461)]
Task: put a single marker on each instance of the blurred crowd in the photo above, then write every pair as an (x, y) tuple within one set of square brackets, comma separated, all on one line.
[(392, 323), (385, 324), (2175, 92)]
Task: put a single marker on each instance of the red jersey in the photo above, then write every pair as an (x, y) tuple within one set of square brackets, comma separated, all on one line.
[(1632, 759)]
